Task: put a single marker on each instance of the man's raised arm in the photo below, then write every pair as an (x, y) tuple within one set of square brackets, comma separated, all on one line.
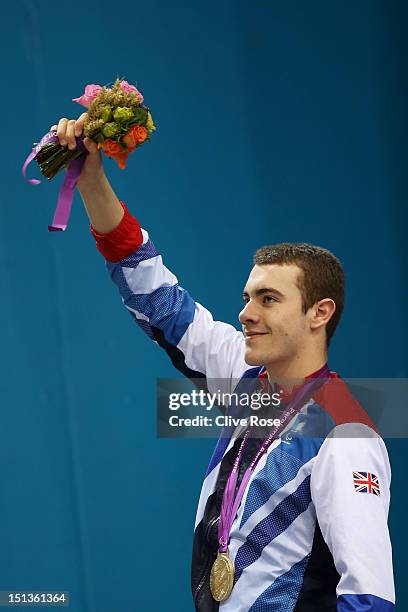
[(196, 344)]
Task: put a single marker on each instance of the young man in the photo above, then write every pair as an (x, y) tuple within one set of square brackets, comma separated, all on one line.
[(297, 520)]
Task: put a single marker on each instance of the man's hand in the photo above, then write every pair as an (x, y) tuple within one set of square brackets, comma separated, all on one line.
[(67, 131), (102, 206)]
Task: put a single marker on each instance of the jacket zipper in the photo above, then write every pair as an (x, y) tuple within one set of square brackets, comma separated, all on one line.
[(210, 525)]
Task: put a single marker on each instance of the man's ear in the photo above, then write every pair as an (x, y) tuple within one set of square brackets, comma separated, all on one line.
[(321, 313)]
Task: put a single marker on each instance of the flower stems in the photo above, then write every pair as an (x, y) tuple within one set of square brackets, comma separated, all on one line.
[(52, 157)]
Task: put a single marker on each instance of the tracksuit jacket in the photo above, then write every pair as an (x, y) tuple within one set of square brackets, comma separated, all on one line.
[(311, 531)]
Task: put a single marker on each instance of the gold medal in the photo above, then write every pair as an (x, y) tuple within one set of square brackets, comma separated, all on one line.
[(222, 577)]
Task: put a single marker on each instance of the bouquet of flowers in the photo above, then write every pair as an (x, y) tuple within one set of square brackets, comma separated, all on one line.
[(117, 121)]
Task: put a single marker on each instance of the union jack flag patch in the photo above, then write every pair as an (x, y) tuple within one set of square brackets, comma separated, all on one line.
[(366, 482)]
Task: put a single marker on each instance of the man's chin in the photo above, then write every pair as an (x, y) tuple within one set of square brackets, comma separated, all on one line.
[(253, 359)]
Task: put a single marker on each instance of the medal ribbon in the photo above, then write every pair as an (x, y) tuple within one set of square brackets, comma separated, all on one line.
[(66, 194), (230, 505)]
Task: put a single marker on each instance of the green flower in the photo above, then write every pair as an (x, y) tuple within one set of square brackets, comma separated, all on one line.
[(122, 114), (110, 129), (140, 116), (106, 113)]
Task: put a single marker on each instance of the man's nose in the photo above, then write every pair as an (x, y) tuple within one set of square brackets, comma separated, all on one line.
[(248, 314)]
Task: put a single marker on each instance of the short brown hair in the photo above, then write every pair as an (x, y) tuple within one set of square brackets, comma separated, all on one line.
[(323, 275)]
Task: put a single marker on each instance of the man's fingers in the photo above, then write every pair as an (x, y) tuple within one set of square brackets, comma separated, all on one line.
[(79, 125), (61, 130), (70, 136), (69, 129)]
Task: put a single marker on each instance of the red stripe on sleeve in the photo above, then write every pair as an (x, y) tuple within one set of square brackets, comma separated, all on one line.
[(121, 242)]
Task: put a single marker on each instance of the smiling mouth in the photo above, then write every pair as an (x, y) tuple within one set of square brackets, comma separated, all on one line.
[(253, 335)]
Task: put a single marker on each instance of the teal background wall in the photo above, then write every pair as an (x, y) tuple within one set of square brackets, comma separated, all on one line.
[(275, 121)]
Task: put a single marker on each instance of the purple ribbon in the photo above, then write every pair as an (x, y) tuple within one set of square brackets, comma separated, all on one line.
[(66, 193), (230, 505), (49, 137)]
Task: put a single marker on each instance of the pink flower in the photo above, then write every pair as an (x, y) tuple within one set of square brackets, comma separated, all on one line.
[(91, 91), (131, 89)]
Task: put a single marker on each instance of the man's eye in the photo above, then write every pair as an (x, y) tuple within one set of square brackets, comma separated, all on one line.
[(245, 300), (268, 299)]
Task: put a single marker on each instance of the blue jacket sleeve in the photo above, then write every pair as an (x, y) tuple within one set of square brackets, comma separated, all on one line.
[(197, 345)]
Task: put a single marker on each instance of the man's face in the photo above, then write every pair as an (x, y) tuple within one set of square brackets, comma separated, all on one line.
[(275, 327)]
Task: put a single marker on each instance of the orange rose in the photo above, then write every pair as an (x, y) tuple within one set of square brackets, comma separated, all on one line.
[(141, 133), (111, 148), (121, 158), (134, 136), (130, 139)]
